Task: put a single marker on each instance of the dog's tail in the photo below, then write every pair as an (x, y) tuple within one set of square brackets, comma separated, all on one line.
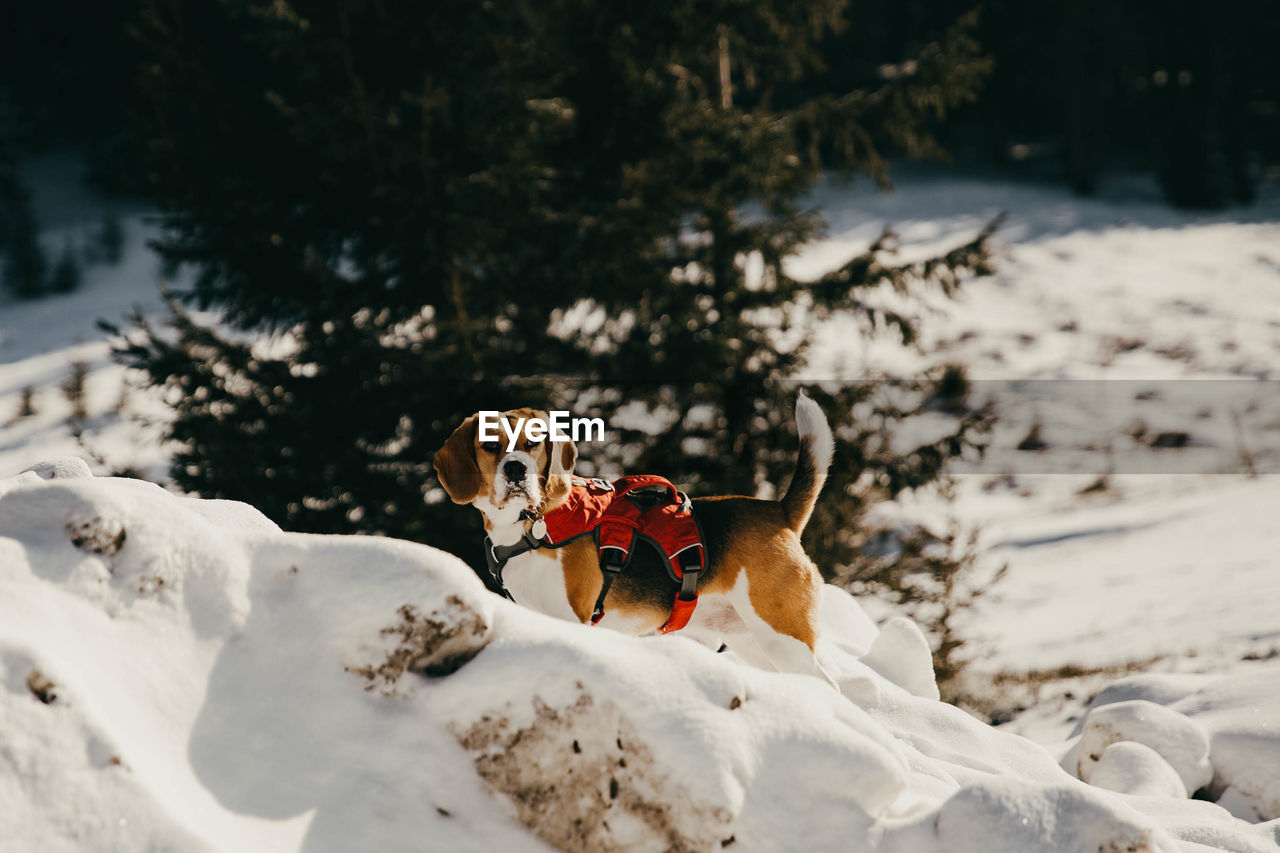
[(816, 447)]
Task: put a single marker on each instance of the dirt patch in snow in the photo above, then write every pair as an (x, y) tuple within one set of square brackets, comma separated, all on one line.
[(41, 687), (435, 644), (96, 535), (582, 779)]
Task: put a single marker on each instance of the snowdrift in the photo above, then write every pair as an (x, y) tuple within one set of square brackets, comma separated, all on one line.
[(180, 674)]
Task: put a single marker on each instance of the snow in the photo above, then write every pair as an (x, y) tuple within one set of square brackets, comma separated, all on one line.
[(1182, 744), (901, 654), (1132, 767), (181, 674), (206, 696), (1109, 322), (1240, 714), (40, 340)]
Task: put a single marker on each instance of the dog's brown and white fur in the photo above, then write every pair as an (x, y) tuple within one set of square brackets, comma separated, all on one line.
[(759, 594)]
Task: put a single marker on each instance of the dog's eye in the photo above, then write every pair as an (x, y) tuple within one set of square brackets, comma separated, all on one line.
[(490, 446)]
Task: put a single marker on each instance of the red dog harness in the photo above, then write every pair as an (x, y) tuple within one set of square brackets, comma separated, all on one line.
[(641, 507)]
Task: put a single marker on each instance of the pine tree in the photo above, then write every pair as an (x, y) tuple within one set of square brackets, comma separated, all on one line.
[(26, 405), (22, 265), (417, 195), (11, 191), (110, 238), (1187, 89), (25, 265), (66, 273), (73, 388), (1205, 150)]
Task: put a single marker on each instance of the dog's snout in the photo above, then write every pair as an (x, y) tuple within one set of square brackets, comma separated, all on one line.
[(513, 470)]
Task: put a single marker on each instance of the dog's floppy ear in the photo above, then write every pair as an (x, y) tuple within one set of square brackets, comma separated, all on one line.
[(455, 463), (567, 458), (562, 456)]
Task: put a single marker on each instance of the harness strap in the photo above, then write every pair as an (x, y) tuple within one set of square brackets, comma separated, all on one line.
[(611, 566), (496, 556), (687, 598)]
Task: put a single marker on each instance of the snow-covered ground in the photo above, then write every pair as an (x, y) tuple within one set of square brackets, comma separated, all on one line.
[(179, 674), (41, 341), (1143, 342)]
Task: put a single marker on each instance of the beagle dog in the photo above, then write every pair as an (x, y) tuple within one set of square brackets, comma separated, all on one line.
[(759, 593)]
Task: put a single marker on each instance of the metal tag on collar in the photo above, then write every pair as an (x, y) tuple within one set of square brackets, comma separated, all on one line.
[(539, 528)]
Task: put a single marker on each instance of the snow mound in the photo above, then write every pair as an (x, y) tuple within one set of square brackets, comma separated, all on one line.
[(1130, 767), (179, 674), (1182, 744), (1235, 719), (63, 467), (901, 654)]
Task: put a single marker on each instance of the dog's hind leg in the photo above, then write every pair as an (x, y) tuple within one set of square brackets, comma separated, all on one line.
[(744, 645), (782, 623)]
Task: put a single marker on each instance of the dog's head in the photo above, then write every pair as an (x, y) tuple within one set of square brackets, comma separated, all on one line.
[(502, 479)]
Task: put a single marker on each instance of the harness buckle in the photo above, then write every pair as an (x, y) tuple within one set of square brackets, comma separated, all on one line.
[(690, 568), (689, 585), (612, 558)]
